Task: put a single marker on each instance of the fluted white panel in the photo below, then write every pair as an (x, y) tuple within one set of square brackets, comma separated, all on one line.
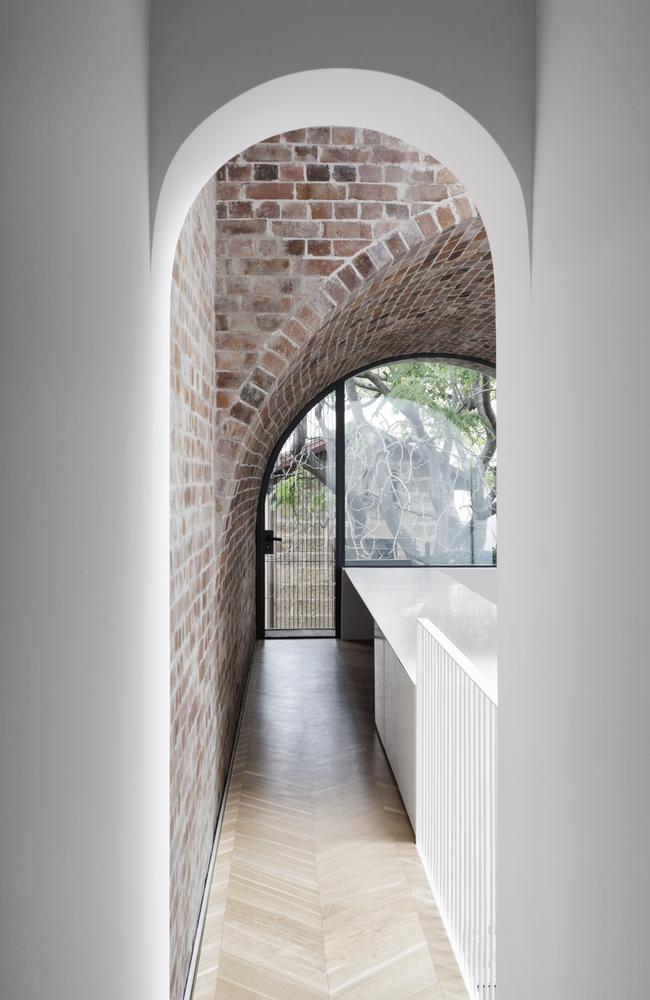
[(456, 804)]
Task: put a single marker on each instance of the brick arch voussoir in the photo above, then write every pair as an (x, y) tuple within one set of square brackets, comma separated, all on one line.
[(343, 286), (251, 418), (333, 334)]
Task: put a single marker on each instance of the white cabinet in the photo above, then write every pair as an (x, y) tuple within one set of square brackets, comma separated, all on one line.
[(395, 718)]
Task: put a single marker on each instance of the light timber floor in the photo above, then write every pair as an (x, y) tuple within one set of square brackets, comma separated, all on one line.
[(318, 890)]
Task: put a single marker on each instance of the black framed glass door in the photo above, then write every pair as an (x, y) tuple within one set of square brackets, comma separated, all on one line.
[(299, 524)]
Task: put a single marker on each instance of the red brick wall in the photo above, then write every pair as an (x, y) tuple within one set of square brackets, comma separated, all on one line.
[(333, 247), (197, 756)]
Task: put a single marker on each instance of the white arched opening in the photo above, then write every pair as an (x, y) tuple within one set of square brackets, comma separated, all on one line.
[(389, 104)]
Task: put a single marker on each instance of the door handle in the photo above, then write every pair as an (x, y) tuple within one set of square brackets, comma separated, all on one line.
[(269, 539)]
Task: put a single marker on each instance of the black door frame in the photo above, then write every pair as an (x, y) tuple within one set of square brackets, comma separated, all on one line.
[(338, 388)]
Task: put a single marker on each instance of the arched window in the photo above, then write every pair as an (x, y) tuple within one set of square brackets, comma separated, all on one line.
[(395, 465)]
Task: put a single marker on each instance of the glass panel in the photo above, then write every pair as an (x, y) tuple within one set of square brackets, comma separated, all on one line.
[(300, 510), (420, 465)]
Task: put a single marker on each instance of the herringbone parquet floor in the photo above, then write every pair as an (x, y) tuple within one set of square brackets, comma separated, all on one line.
[(318, 890)]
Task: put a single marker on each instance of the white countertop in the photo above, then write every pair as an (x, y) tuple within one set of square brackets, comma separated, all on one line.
[(455, 601)]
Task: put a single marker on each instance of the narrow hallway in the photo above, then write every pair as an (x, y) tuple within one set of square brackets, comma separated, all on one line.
[(318, 890)]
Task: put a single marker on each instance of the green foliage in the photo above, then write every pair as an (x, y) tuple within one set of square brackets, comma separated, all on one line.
[(284, 494), (439, 389), (321, 500), (299, 493)]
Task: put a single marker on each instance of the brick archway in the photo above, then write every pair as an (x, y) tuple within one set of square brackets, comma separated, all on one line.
[(436, 296)]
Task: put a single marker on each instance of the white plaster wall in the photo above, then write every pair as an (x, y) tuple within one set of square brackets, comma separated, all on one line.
[(82, 904), (480, 55), (574, 701)]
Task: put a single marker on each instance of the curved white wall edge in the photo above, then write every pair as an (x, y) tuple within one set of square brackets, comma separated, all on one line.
[(414, 113), (394, 105)]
